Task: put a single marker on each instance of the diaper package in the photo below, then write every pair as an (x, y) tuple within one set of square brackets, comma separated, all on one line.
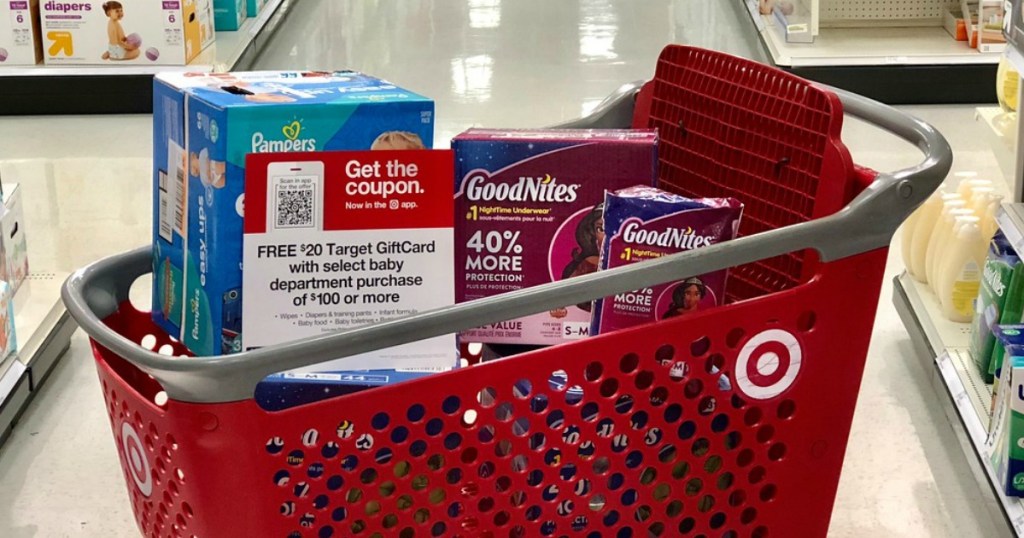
[(1000, 301), (20, 42), (228, 15), (645, 223), (14, 244), (8, 337), (1006, 432), (203, 127), (114, 32), (528, 208)]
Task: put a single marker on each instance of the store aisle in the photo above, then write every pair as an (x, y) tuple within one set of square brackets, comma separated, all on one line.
[(486, 62)]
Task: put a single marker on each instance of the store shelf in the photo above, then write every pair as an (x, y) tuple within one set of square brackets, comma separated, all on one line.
[(1002, 138), (43, 329), (15, 391), (942, 347), (113, 89), (898, 65)]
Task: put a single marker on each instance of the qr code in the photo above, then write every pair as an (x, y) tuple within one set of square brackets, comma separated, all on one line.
[(295, 208)]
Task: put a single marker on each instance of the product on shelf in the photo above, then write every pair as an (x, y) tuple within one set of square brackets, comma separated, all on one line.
[(940, 237), (528, 207), (338, 240), (20, 42), (125, 32), (229, 14), (1006, 431), (15, 246), (920, 228), (954, 23), (253, 7), (644, 223), (8, 337), (199, 173), (1001, 300), (959, 269)]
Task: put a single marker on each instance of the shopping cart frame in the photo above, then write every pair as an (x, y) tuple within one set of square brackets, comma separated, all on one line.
[(199, 454), (868, 222)]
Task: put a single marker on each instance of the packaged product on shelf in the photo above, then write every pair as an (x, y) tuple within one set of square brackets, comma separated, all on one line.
[(644, 223), (20, 41), (228, 15), (119, 32), (1002, 291), (15, 245), (339, 240), (960, 268), (1006, 430), (253, 7), (199, 174), (8, 337), (528, 206)]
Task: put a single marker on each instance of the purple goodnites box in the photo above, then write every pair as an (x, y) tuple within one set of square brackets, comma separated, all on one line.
[(644, 223), (528, 209)]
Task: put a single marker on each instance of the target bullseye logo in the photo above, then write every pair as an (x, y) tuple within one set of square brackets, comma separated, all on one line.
[(135, 456), (768, 364)]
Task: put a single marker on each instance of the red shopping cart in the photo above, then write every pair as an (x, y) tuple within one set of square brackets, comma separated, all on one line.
[(731, 422)]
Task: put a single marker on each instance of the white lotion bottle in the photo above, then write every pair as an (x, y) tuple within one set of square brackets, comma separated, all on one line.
[(945, 236), (965, 186), (959, 274), (923, 228), (943, 224)]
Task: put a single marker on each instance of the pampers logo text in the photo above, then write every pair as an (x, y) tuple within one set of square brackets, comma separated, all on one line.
[(672, 237), (67, 7), (527, 189), (292, 142)]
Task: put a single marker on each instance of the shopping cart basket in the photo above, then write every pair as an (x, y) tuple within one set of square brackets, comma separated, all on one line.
[(731, 422)]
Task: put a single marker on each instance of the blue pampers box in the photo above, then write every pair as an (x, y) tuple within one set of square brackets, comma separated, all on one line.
[(204, 126)]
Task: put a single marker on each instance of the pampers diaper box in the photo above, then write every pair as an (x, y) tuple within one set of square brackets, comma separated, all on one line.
[(528, 211), (19, 33), (204, 126), (115, 32)]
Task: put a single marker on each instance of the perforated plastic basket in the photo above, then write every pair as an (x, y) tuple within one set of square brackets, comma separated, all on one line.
[(731, 422)]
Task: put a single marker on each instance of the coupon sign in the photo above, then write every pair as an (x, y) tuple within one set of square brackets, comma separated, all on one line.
[(339, 240)]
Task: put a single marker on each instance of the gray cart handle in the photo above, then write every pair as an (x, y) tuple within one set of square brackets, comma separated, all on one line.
[(867, 223)]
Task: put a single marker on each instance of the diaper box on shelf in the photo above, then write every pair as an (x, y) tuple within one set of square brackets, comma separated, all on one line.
[(19, 33), (203, 128), (253, 7), (13, 225), (119, 32), (8, 338), (228, 15)]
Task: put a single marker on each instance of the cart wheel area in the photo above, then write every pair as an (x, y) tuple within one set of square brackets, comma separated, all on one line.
[(729, 423)]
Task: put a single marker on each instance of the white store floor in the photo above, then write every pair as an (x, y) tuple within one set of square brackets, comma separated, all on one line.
[(488, 63)]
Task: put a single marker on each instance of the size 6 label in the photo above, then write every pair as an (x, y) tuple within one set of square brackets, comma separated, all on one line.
[(336, 241)]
